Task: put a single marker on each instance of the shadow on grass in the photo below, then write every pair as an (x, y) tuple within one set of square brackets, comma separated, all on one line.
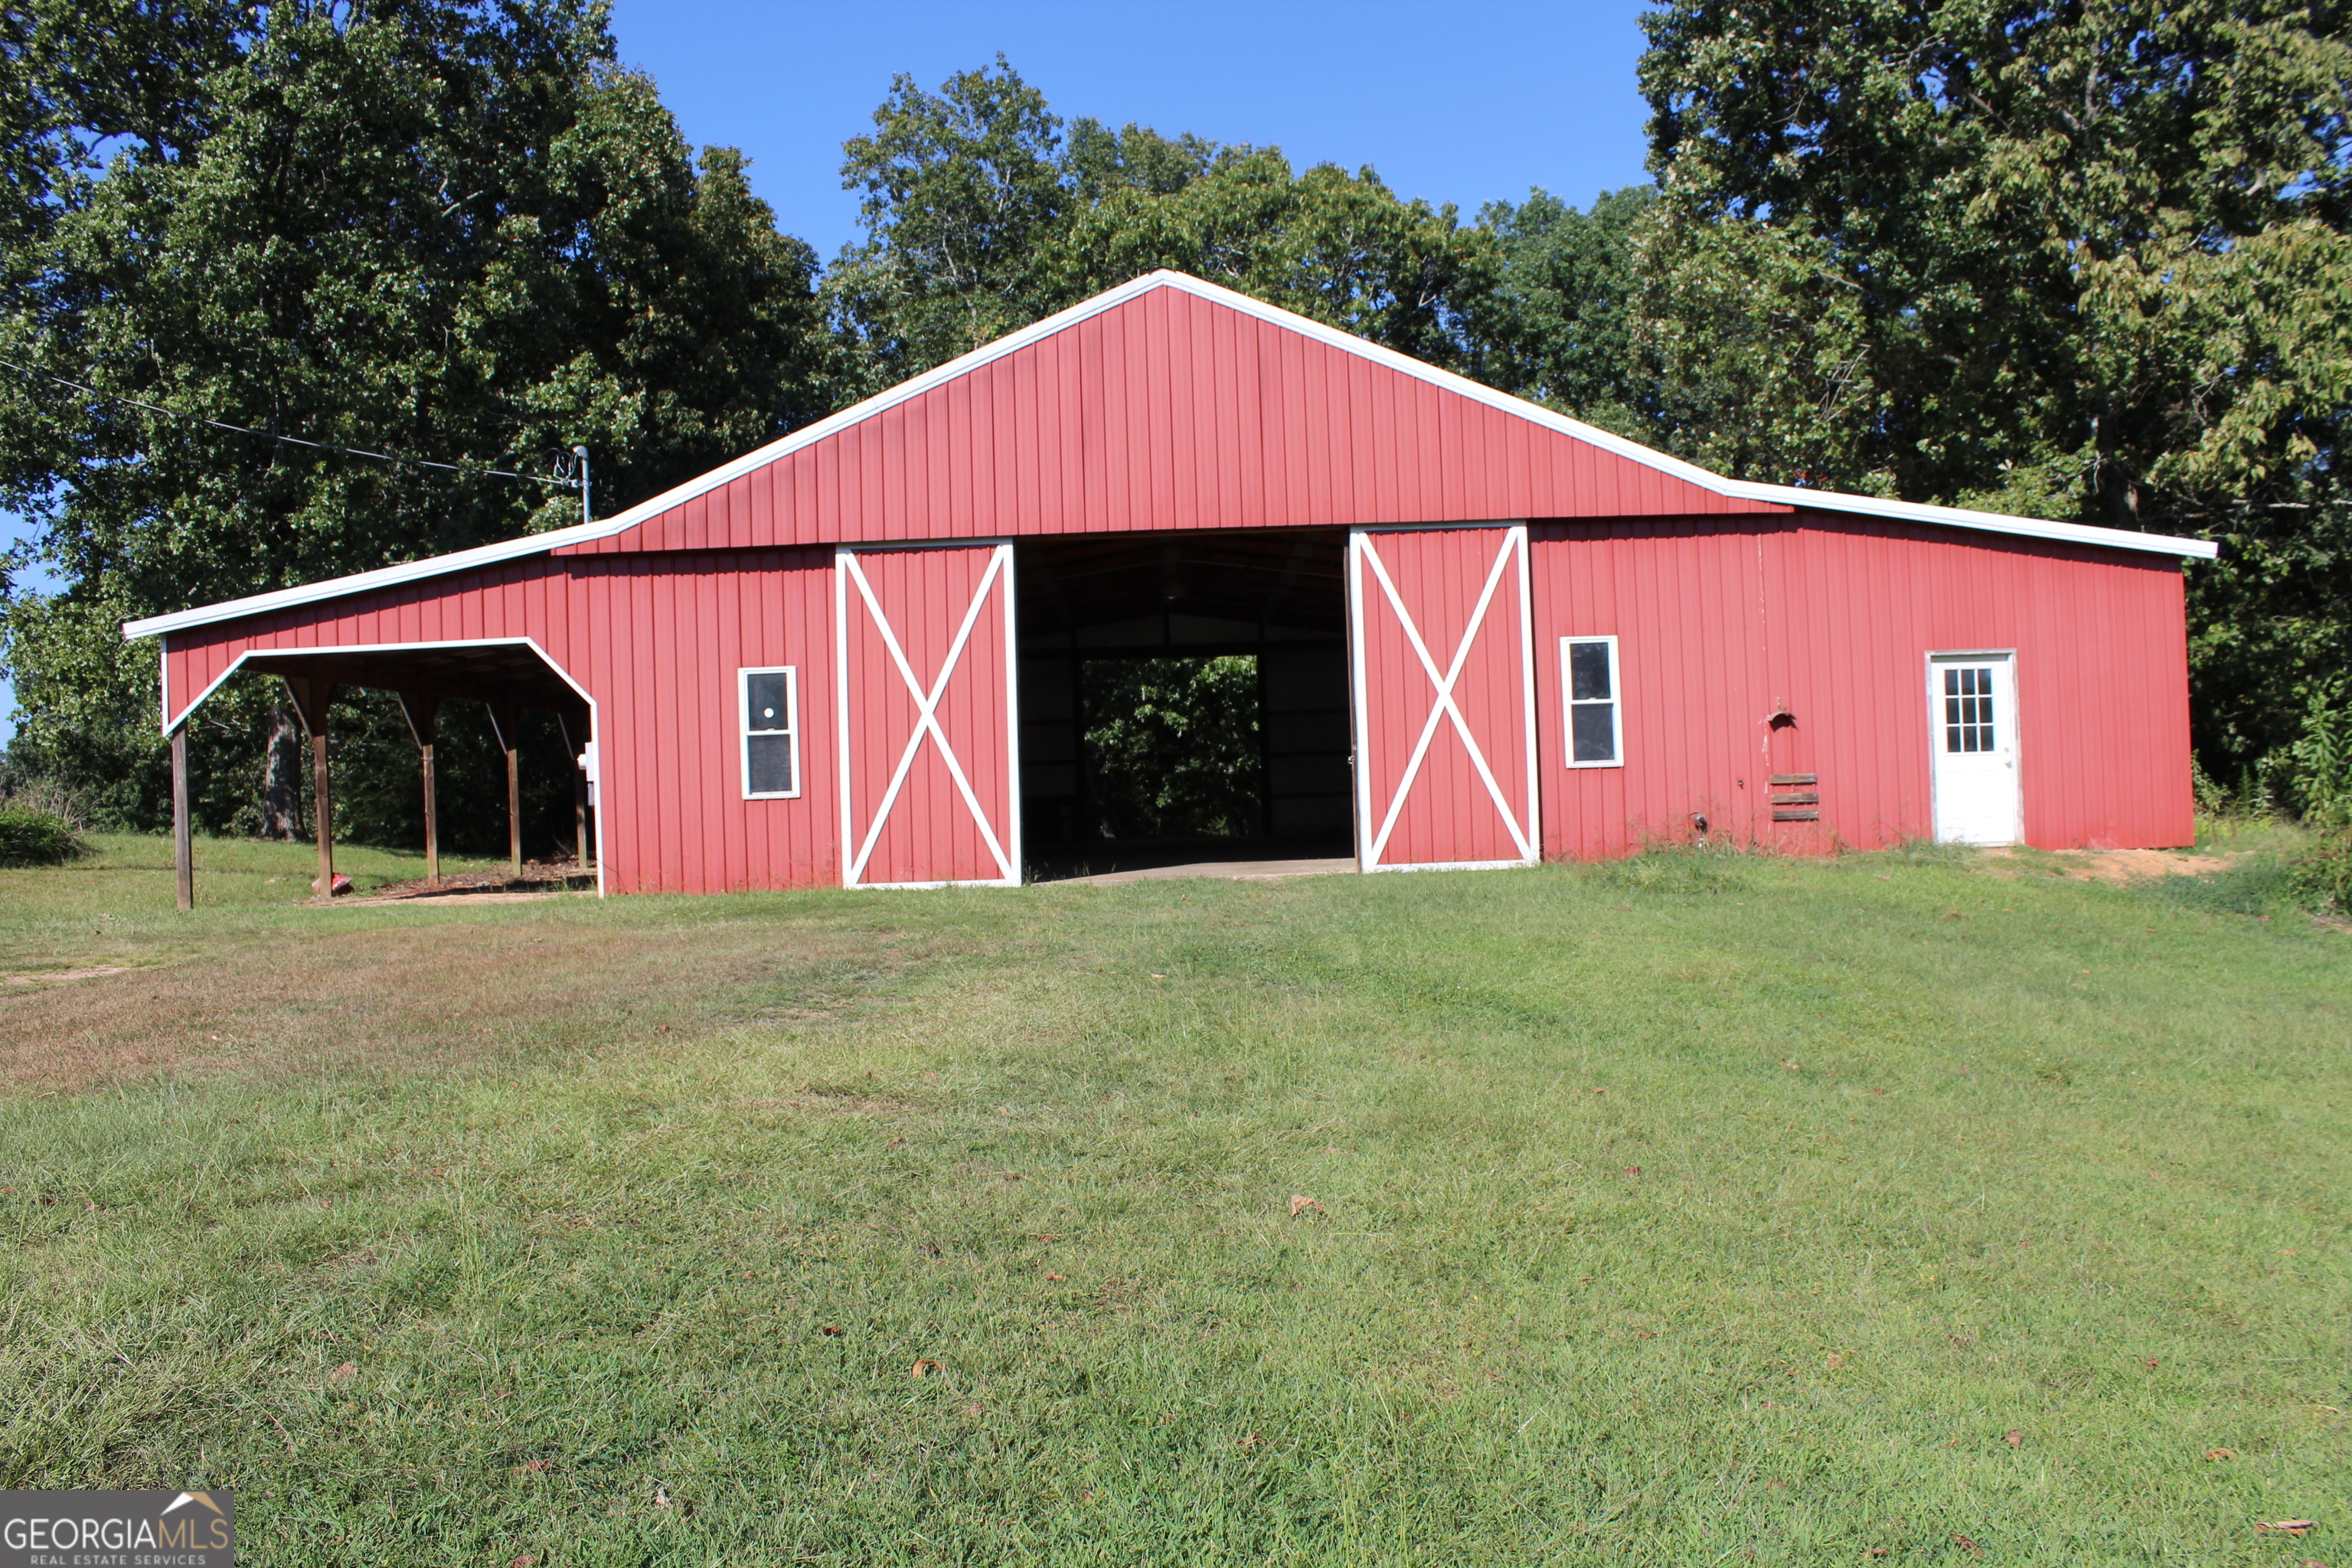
[(2261, 885)]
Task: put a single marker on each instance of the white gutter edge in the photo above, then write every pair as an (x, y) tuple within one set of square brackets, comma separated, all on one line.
[(1988, 522)]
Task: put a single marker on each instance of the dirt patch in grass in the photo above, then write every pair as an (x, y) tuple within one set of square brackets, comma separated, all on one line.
[(538, 879), (424, 997), (45, 977), (2120, 866)]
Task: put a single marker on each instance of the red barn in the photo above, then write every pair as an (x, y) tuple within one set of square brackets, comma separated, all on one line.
[(1486, 634)]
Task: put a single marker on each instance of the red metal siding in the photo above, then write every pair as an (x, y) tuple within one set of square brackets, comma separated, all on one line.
[(1831, 619), (927, 716), (1442, 727), (656, 642), (1169, 410)]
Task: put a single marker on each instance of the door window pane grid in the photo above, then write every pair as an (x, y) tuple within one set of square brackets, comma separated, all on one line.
[(1968, 710)]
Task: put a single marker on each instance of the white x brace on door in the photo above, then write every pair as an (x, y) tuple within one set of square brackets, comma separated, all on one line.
[(1445, 699), (930, 771)]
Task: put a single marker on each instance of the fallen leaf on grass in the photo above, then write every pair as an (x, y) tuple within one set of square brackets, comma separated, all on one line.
[(1048, 1235), (2221, 1453), (2013, 1437), (1159, 977), (1646, 1335), (661, 1495), (1301, 1204), (2288, 1526), (1632, 1169), (1012, 1175), (2149, 1363), (1965, 1544), (343, 1372), (1834, 1362), (925, 1368), (833, 1331), (1057, 1279), (1251, 1441), (1790, 1064), (531, 1465), (523, 1562)]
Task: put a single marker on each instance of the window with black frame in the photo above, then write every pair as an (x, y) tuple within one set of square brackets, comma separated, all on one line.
[(771, 731)]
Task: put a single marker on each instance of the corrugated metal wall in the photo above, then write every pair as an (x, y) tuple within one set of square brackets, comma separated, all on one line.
[(1829, 620), (1169, 410), (657, 642)]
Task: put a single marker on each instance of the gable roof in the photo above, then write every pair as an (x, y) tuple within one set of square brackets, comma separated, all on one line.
[(1168, 402)]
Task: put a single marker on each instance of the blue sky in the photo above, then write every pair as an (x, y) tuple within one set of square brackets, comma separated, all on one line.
[(1466, 102), (1469, 102)]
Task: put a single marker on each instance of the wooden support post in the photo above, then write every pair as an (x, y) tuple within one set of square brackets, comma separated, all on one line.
[(324, 806), (514, 815), (311, 697), (579, 814), (182, 841), (432, 822), (506, 722), (420, 713)]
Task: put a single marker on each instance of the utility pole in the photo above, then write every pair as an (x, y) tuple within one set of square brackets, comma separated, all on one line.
[(587, 514)]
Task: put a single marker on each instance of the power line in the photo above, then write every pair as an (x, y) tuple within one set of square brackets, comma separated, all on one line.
[(579, 484)]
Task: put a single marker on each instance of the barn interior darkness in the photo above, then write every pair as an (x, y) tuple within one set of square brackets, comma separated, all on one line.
[(1183, 696)]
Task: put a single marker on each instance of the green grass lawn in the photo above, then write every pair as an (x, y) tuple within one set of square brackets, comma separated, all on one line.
[(1924, 1208)]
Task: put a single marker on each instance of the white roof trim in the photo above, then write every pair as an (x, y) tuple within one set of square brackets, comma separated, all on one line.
[(587, 532), (1962, 517)]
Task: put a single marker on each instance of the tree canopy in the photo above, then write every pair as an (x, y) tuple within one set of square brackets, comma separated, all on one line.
[(2072, 261), (458, 232), (984, 211)]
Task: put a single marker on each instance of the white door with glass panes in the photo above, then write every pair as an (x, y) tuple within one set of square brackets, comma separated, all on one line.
[(1972, 712)]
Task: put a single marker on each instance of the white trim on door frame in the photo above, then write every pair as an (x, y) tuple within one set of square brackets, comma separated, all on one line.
[(1005, 851), (2015, 727), (1526, 835)]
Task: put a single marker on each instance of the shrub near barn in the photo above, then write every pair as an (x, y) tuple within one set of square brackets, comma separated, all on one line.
[(35, 836)]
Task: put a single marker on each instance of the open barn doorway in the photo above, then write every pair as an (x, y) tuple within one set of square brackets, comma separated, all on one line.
[(1183, 699)]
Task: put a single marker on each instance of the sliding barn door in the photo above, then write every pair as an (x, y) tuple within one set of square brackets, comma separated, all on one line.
[(929, 774), (1445, 703)]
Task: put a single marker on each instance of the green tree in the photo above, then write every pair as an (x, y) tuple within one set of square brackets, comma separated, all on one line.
[(1171, 747), (2080, 260), (1556, 327), (456, 231), (985, 212)]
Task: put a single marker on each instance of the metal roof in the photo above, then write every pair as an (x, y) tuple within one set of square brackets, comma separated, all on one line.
[(1673, 469)]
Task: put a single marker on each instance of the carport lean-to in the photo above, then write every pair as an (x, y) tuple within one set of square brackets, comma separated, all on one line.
[(1485, 634), (508, 676)]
